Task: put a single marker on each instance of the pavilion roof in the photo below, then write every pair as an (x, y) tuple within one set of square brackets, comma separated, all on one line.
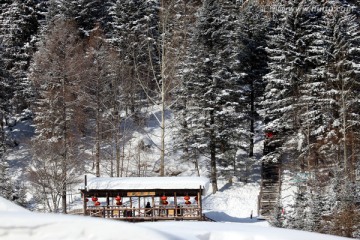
[(147, 183)]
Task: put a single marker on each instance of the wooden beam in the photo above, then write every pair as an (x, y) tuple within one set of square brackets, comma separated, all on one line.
[(107, 199)]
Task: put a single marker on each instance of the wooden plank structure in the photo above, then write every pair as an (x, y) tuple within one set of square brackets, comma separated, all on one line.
[(269, 189), (171, 198), (270, 178)]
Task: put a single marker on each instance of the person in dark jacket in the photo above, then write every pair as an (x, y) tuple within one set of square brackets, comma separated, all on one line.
[(148, 209)]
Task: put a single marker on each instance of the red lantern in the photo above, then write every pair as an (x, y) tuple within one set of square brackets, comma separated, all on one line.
[(187, 202), (86, 199), (196, 198), (94, 198), (118, 203), (165, 202), (186, 198), (164, 198), (269, 134), (118, 198), (97, 203)]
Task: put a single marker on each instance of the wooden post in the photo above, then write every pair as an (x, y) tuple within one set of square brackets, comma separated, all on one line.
[(84, 195), (84, 203), (153, 206), (200, 204), (139, 206), (176, 206), (130, 206), (107, 204)]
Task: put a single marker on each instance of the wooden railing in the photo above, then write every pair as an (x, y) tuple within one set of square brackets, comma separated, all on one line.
[(187, 212)]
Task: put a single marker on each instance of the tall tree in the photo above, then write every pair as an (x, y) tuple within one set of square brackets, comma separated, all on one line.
[(343, 74), (97, 89), (136, 34), (251, 29), (5, 110), (310, 100), (5, 96), (212, 88), (174, 18), (92, 13), (19, 25), (56, 79)]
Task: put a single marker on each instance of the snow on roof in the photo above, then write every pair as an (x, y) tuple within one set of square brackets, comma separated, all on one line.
[(147, 183)]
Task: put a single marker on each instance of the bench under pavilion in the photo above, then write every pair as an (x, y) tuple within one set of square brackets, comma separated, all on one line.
[(125, 198)]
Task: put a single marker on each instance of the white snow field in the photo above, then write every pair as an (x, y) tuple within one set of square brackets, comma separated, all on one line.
[(17, 223)]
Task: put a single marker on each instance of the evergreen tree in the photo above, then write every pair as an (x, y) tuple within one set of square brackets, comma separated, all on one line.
[(211, 87), (58, 9), (135, 35), (5, 181), (91, 13), (297, 217), (5, 110), (310, 100), (19, 25), (343, 74), (295, 95), (251, 54), (5, 96)]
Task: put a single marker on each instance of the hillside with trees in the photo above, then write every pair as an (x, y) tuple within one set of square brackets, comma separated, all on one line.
[(93, 78)]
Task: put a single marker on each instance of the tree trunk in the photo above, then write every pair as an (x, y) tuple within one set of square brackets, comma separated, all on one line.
[(162, 92), (344, 128), (252, 122), (2, 133), (65, 153), (162, 156), (213, 153), (97, 140), (117, 149)]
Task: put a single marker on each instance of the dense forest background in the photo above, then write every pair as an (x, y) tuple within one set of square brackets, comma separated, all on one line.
[(85, 71)]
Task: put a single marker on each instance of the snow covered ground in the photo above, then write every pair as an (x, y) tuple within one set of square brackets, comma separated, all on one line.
[(17, 223)]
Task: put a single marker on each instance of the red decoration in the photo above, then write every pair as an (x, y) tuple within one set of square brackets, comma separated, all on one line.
[(164, 198), (118, 203), (186, 198), (86, 199), (97, 203), (187, 202), (269, 134), (196, 198), (165, 202), (118, 198), (94, 199)]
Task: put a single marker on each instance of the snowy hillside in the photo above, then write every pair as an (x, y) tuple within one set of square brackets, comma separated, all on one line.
[(233, 203)]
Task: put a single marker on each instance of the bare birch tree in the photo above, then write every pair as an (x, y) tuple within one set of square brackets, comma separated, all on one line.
[(174, 19)]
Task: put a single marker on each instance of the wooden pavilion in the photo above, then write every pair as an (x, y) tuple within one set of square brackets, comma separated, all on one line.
[(170, 198)]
